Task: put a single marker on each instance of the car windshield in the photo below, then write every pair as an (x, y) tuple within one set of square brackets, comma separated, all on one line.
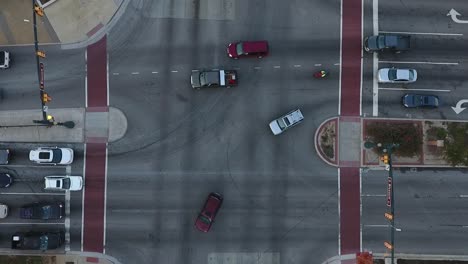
[(44, 211), (204, 219), (57, 155), (392, 74), (411, 75), (381, 41), (2, 57), (239, 49), (66, 183), (44, 242), (281, 123)]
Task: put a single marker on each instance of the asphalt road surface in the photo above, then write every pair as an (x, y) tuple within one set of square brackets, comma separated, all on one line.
[(182, 144)]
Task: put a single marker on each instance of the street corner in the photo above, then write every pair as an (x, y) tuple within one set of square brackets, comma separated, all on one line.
[(16, 24), (77, 21), (326, 138)]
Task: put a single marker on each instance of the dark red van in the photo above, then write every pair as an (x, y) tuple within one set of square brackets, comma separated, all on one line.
[(208, 213), (258, 49)]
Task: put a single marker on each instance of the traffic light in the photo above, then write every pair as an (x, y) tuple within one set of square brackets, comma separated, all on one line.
[(40, 54), (39, 11), (46, 98), (384, 158)]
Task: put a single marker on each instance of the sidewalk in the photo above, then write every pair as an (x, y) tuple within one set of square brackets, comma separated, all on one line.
[(18, 126), (71, 23), (400, 257), (67, 258)]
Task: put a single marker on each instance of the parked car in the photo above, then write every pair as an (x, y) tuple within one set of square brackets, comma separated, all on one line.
[(4, 60), (286, 121), (5, 180), (4, 156), (396, 43), (257, 49), (37, 240), (208, 213), (71, 183), (419, 100), (44, 211), (394, 75), (51, 155), (3, 210)]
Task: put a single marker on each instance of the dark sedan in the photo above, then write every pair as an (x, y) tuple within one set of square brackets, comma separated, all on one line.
[(419, 100), (44, 211)]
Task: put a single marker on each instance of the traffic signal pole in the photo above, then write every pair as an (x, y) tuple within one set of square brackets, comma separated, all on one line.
[(38, 64)]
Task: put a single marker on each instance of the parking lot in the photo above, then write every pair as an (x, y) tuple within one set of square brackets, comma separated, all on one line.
[(28, 188)]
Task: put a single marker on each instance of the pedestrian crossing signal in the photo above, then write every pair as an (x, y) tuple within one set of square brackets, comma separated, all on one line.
[(384, 159), (41, 54), (39, 11), (46, 98)]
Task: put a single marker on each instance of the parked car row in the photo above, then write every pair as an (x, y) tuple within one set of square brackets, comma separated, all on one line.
[(397, 44), (38, 210)]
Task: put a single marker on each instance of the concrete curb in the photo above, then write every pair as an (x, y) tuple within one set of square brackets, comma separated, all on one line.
[(316, 141), (117, 124), (111, 259), (337, 259), (102, 31)]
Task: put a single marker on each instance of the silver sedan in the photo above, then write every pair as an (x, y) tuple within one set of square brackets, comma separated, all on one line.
[(394, 75)]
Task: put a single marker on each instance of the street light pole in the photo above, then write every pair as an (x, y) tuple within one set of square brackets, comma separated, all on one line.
[(36, 47), (389, 149)]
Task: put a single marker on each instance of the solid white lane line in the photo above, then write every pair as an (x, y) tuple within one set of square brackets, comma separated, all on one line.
[(35, 194), (105, 201), (420, 33), (86, 78), (83, 195), (374, 195), (376, 225), (107, 77), (360, 184), (339, 201), (407, 89), (375, 85), (421, 62)]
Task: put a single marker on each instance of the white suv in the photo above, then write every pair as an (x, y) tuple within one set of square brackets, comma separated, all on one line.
[(71, 183), (51, 155), (288, 120)]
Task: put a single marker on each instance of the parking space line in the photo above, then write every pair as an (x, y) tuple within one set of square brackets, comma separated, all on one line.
[(421, 33), (421, 62), (33, 166), (408, 89), (16, 223), (3, 193)]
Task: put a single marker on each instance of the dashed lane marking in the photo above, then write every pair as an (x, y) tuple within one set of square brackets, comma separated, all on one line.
[(135, 73), (115, 73), (297, 66), (318, 64), (374, 195), (174, 71), (157, 72), (16, 223), (277, 67)]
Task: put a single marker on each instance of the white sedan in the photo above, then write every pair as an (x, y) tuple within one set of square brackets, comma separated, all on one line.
[(51, 155), (394, 75), (71, 183)]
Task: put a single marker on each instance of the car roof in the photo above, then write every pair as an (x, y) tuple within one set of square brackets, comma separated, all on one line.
[(212, 204), (255, 46)]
